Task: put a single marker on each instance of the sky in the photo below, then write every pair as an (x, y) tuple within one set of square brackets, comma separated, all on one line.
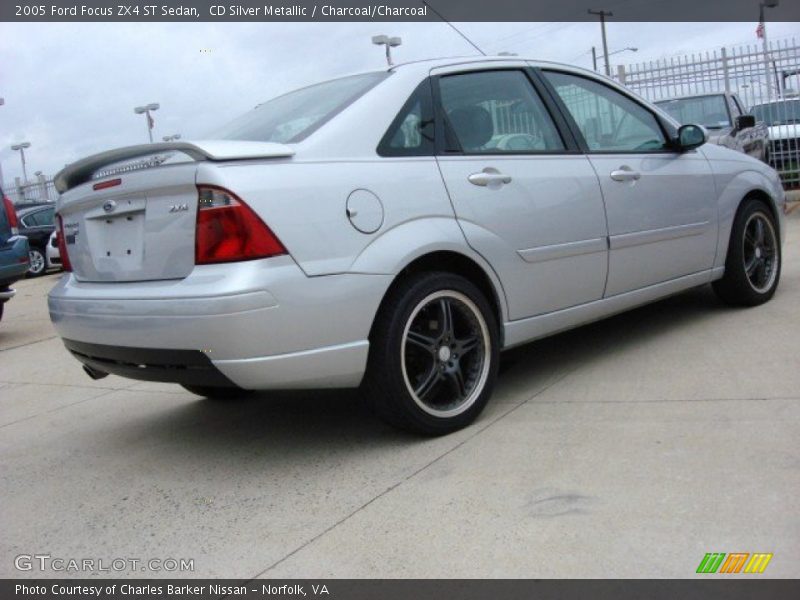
[(70, 88)]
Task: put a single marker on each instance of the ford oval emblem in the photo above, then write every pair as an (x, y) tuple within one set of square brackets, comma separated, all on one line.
[(109, 206)]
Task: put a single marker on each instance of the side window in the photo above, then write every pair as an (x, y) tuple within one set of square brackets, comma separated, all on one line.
[(40, 218), (608, 120), (412, 131), (46, 217), (497, 112)]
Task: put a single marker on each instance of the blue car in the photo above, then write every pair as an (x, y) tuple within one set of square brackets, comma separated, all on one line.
[(14, 261)]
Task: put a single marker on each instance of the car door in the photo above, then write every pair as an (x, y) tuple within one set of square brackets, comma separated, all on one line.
[(750, 140), (526, 198), (660, 203), (39, 224)]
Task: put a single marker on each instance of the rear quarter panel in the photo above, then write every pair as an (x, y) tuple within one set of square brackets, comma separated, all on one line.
[(304, 203)]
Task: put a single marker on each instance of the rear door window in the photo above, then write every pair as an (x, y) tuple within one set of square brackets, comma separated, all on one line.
[(497, 112)]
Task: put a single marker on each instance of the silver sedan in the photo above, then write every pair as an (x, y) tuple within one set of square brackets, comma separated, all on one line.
[(397, 229)]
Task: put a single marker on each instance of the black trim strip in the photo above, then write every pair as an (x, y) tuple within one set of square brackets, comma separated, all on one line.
[(191, 367)]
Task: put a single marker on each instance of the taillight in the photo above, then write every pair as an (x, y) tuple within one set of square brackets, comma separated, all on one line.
[(228, 230), (11, 213), (62, 245)]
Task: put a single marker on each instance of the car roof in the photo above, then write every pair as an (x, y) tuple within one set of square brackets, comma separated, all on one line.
[(689, 96), (778, 101), (24, 209), (426, 64)]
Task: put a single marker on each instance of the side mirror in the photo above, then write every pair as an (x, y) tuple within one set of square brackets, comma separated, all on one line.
[(691, 136), (745, 122)]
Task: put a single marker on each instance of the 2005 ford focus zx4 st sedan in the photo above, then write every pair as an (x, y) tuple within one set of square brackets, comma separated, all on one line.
[(396, 230)]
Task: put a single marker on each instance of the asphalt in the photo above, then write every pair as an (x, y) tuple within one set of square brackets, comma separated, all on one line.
[(626, 448)]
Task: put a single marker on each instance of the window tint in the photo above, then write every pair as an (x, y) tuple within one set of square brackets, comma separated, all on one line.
[(40, 218), (294, 116), (412, 132), (608, 120), (497, 112), (46, 217)]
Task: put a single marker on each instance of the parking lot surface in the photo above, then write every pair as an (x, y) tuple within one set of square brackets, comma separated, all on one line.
[(627, 448)]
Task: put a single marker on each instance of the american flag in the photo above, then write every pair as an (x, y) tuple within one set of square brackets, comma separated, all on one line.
[(760, 30), (150, 122)]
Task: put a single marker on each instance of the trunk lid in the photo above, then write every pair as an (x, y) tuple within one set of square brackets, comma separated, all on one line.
[(130, 214)]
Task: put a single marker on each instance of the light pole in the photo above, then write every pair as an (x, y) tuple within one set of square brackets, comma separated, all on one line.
[(603, 14), (389, 42), (21, 147), (171, 138), (147, 109), (762, 25)]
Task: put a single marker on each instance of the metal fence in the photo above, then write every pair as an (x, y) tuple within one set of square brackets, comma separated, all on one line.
[(39, 190), (765, 77)]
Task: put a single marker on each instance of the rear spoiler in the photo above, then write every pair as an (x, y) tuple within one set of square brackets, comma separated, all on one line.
[(217, 150)]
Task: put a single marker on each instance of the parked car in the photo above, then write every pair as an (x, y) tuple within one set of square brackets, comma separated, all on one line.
[(53, 254), (369, 231), (13, 252), (37, 223), (724, 115), (783, 119)]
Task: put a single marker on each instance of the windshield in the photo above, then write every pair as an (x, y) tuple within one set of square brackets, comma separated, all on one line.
[(294, 116), (708, 111), (778, 113)]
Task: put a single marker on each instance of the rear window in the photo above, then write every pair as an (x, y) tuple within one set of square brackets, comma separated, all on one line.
[(294, 116)]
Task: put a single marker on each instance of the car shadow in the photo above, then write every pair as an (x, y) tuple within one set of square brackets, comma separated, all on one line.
[(337, 420)]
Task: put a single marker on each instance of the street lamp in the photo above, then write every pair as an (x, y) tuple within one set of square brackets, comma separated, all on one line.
[(389, 42), (623, 50), (21, 147), (171, 138), (147, 109)]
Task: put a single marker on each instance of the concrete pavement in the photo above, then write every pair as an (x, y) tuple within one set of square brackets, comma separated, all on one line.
[(626, 448)]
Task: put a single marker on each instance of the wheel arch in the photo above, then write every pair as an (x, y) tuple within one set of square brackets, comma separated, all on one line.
[(457, 263), (748, 185)]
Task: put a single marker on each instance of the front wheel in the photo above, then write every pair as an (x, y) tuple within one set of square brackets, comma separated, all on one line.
[(753, 263), (38, 262), (434, 353)]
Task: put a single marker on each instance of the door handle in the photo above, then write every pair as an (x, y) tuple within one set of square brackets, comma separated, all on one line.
[(625, 173), (489, 177)]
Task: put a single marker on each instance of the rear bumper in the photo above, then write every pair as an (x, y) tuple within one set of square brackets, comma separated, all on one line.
[(7, 294), (14, 260), (191, 367), (260, 324)]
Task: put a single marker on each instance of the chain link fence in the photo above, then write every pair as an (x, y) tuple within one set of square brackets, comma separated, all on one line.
[(765, 77)]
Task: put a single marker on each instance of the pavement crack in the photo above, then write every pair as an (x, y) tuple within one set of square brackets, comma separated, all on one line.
[(432, 462), (52, 410), (52, 337)]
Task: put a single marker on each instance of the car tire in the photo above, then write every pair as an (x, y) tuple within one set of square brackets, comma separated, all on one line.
[(434, 354), (753, 263), (38, 259), (217, 393)]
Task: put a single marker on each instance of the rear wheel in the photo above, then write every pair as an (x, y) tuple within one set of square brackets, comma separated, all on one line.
[(433, 355), (216, 393), (753, 263), (38, 262)]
